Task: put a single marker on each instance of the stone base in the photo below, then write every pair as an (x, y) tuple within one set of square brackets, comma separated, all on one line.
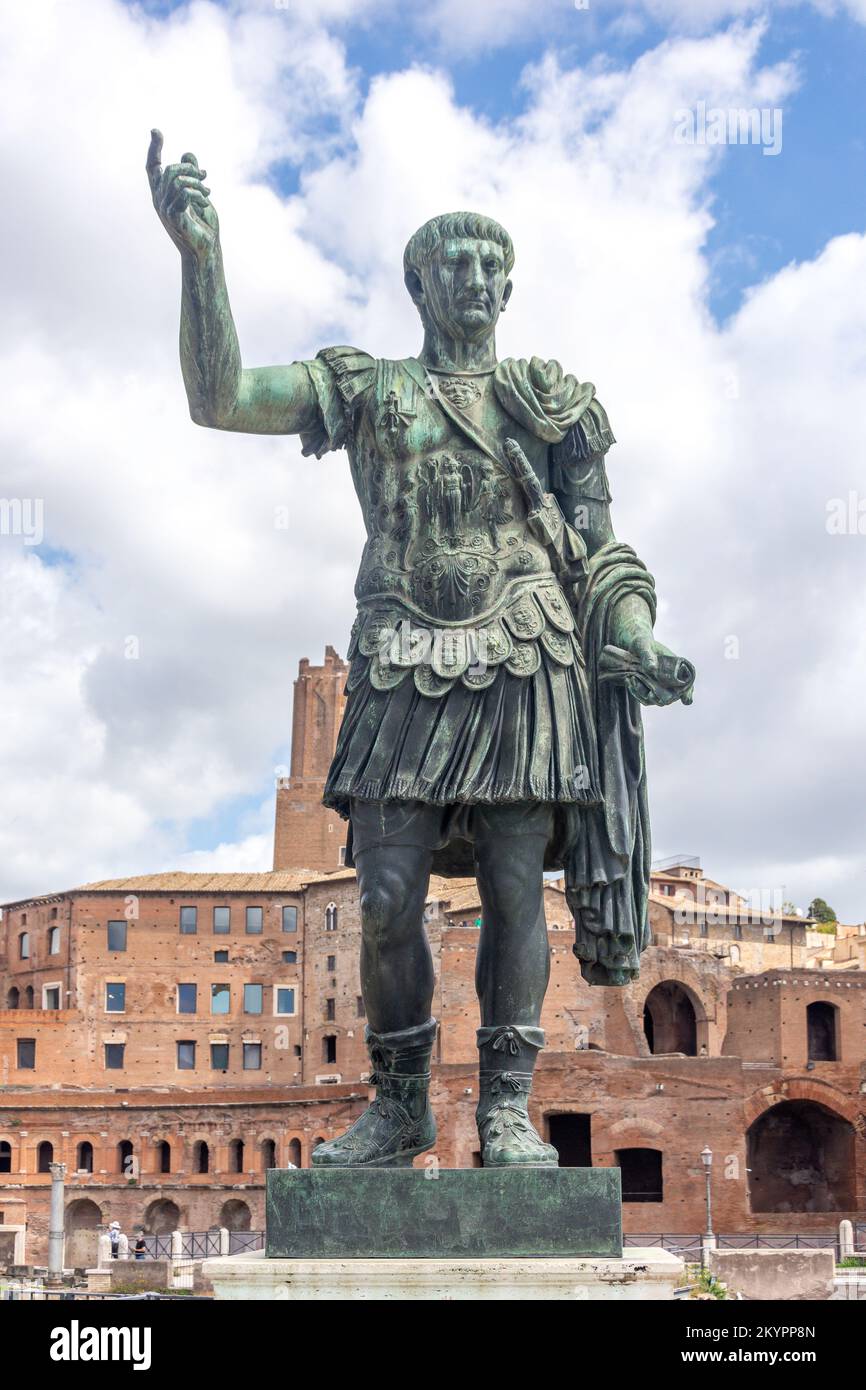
[(776, 1275), (645, 1274), (443, 1213)]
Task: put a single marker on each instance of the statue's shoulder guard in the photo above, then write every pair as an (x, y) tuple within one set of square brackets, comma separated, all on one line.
[(342, 378), (577, 461)]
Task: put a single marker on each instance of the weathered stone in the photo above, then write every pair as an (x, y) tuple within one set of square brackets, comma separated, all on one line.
[(345, 1213)]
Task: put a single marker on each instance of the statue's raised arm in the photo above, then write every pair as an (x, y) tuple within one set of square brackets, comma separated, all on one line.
[(222, 393)]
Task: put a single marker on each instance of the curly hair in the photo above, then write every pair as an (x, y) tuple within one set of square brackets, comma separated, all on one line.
[(423, 244)]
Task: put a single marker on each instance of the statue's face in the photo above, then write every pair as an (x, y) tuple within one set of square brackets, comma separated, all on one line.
[(464, 287)]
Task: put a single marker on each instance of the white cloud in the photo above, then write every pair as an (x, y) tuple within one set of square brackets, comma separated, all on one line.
[(731, 441)]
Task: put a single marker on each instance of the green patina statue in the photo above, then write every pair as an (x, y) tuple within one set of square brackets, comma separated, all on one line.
[(501, 651)]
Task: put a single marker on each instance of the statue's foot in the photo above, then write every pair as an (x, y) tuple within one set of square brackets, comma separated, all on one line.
[(385, 1136), (509, 1139)]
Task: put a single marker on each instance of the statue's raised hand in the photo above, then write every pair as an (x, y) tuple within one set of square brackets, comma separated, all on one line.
[(182, 201)]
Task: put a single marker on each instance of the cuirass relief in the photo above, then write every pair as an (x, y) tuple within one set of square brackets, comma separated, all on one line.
[(450, 567)]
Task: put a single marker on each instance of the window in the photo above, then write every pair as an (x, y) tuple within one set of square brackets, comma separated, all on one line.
[(219, 1058), (53, 913), (188, 921), (186, 1055), (641, 1171), (54, 941), (187, 999), (163, 1151), (201, 1157), (253, 999), (290, 919), (329, 1048), (84, 1157), (222, 921), (236, 1155), (220, 999), (116, 936), (269, 1153), (704, 929), (26, 1054), (12, 998), (252, 1056), (332, 964), (5, 1156), (290, 957), (255, 920), (331, 917), (51, 996), (28, 997), (44, 1157), (330, 1009), (115, 998), (284, 1000), (738, 931), (359, 1006), (24, 946), (126, 1162), (114, 1054), (221, 957)]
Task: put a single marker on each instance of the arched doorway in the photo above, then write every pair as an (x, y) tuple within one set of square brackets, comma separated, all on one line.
[(125, 1158), (81, 1224), (162, 1217), (236, 1156), (669, 1020), (822, 1030), (163, 1155), (200, 1157), (12, 998), (800, 1157), (269, 1154), (44, 1157), (235, 1215), (295, 1152), (5, 1156), (84, 1157)]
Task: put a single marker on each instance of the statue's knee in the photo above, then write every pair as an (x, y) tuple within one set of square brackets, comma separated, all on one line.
[(384, 907)]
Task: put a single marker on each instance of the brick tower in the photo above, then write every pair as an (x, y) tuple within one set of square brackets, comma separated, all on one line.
[(306, 834)]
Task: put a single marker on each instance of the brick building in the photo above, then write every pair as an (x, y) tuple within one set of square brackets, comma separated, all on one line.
[(306, 834), (171, 1037)]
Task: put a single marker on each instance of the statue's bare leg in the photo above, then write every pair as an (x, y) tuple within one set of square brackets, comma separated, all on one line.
[(512, 972)]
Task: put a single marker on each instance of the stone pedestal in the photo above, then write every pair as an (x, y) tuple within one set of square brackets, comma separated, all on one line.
[(443, 1213), (643, 1275)]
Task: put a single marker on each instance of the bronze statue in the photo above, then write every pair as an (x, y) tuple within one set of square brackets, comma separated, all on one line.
[(503, 644)]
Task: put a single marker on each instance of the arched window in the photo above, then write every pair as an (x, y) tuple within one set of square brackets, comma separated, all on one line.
[(5, 1156), (28, 997), (54, 941), (236, 1155), (84, 1157), (125, 1158), (641, 1171), (163, 1153), (822, 1030), (331, 917), (44, 1157), (200, 1157), (670, 1021), (12, 998), (269, 1154), (24, 946), (295, 1152)]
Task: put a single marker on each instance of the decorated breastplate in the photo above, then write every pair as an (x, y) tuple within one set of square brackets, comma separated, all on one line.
[(452, 583)]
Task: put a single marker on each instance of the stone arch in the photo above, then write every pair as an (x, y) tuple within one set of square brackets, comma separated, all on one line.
[(13, 997), (674, 1019), (161, 1217), (81, 1222), (235, 1215), (800, 1154)]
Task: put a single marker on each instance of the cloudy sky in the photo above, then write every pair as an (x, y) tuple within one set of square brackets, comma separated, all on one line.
[(715, 294)]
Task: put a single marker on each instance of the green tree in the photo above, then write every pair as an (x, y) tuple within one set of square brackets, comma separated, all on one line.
[(821, 910)]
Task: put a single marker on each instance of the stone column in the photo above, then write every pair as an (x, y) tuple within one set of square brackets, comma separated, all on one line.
[(224, 1241), (846, 1240), (55, 1225)]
